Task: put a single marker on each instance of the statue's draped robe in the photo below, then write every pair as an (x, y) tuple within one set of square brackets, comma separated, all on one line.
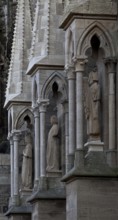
[(91, 104), (27, 167), (53, 149)]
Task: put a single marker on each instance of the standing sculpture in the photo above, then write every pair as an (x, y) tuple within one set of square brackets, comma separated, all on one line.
[(92, 102), (53, 146), (26, 176)]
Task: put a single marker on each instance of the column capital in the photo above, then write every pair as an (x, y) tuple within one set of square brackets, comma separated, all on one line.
[(111, 64), (70, 70), (36, 112), (80, 63), (10, 136), (43, 105), (16, 135)]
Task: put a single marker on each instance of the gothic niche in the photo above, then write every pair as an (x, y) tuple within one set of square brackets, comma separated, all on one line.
[(26, 151), (53, 127), (93, 90), (27, 160)]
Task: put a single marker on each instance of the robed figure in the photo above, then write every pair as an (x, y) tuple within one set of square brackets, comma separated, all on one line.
[(91, 103), (53, 146), (26, 176)]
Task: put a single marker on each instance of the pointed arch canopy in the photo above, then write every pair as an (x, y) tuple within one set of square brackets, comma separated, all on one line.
[(20, 118), (96, 28), (61, 82)]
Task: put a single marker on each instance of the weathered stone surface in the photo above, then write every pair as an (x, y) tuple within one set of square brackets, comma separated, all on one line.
[(92, 198), (91, 32), (49, 210)]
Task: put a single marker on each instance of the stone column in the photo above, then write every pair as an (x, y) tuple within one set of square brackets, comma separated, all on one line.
[(79, 69), (37, 144), (10, 138), (65, 105), (42, 108), (111, 68), (71, 109), (16, 136)]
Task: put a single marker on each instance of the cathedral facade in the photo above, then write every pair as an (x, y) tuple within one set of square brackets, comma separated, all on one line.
[(62, 100)]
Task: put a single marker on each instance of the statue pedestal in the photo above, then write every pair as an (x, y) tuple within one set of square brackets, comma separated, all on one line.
[(24, 194), (95, 146), (54, 173)]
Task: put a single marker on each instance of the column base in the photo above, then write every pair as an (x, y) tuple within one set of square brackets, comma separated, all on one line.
[(15, 200), (42, 183), (79, 158), (36, 183), (24, 194), (112, 158), (70, 161)]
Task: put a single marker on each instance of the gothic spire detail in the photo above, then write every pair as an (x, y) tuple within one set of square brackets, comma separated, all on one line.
[(20, 47)]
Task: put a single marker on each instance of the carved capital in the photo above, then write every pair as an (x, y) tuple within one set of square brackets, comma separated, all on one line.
[(43, 105), (80, 63), (36, 112), (16, 135), (70, 72), (111, 65)]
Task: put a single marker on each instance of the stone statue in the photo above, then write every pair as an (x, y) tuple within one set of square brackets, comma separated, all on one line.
[(26, 175), (92, 101), (53, 146)]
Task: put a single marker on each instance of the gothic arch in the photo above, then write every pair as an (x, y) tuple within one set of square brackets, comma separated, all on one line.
[(20, 118), (69, 49), (60, 80), (96, 28)]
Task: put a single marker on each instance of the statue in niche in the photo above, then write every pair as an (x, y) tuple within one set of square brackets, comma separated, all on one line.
[(92, 102), (26, 175), (53, 146)]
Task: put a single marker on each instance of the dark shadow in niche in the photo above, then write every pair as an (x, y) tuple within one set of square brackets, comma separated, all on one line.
[(5, 147)]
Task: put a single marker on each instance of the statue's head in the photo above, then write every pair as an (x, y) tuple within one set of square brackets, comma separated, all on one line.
[(53, 120)]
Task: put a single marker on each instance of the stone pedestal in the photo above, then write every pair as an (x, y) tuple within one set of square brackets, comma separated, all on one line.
[(54, 173), (19, 213), (49, 201), (49, 209), (92, 198), (24, 194), (96, 146), (91, 187)]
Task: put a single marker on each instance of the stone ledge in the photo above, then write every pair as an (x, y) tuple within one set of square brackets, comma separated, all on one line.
[(47, 62), (47, 194), (19, 210), (94, 166), (100, 10)]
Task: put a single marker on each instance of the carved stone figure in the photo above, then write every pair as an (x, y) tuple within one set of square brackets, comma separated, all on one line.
[(26, 175), (53, 146), (92, 101)]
